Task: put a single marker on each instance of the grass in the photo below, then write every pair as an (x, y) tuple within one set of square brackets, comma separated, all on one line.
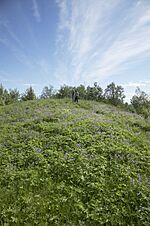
[(71, 164)]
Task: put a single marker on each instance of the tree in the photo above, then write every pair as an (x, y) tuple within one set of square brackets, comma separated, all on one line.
[(13, 95), (1, 89), (29, 94), (1, 95), (82, 91), (114, 94), (140, 99), (4, 95), (64, 91), (141, 102), (47, 92), (8, 97), (99, 91), (95, 92)]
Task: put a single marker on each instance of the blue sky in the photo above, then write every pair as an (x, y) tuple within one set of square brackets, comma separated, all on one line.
[(75, 42)]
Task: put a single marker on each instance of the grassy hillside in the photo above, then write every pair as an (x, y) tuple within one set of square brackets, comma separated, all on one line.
[(73, 164)]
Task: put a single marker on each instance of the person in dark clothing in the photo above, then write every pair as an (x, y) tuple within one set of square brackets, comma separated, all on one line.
[(73, 95), (76, 96)]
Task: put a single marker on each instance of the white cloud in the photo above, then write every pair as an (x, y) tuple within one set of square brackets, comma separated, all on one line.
[(36, 12), (64, 14), (145, 19), (99, 37)]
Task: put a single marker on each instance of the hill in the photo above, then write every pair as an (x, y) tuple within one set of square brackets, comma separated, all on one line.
[(73, 164)]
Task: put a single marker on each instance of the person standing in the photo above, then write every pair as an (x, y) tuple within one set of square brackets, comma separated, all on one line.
[(73, 95), (76, 96)]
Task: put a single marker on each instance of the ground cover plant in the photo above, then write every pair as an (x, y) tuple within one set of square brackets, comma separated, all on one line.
[(71, 164)]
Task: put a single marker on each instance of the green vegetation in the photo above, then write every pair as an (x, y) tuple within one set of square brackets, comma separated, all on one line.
[(113, 94), (71, 164), (29, 94), (141, 103)]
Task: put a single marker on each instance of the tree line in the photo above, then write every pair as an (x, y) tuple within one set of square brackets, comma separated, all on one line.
[(113, 94)]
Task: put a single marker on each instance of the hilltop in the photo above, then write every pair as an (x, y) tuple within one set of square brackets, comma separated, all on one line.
[(71, 164)]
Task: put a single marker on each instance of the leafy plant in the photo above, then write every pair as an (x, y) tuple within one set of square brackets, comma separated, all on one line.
[(68, 164)]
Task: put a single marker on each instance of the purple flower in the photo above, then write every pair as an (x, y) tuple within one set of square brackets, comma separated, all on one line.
[(78, 145)]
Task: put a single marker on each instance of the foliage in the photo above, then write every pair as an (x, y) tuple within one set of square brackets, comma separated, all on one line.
[(94, 93), (64, 91), (29, 94), (8, 97), (89, 93), (141, 102), (47, 92), (114, 94), (73, 164), (13, 96), (82, 91)]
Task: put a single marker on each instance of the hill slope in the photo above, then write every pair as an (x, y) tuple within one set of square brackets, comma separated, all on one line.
[(73, 164)]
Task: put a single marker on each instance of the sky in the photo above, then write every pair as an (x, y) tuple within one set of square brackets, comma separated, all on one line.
[(73, 42)]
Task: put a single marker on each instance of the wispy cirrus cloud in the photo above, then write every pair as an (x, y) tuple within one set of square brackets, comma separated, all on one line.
[(8, 31), (36, 12), (13, 43), (97, 38)]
